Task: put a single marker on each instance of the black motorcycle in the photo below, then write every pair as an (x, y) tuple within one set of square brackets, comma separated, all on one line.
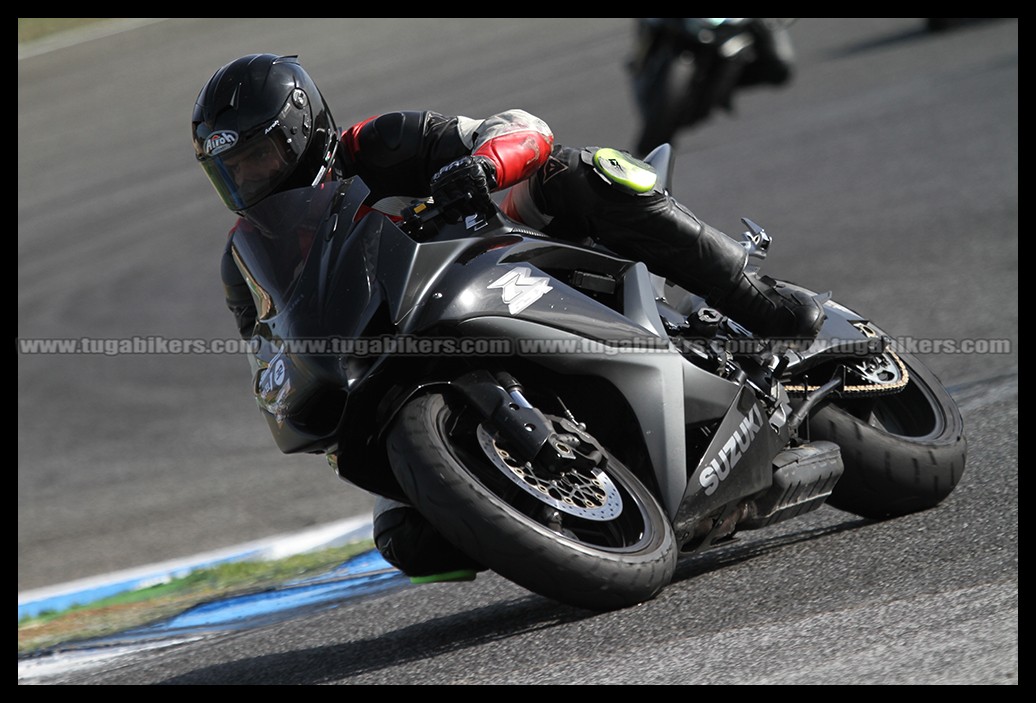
[(685, 68), (565, 417)]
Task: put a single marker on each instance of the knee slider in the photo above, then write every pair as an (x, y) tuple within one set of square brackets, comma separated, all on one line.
[(622, 171)]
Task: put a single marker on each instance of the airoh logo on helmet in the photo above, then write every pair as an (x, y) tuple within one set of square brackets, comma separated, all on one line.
[(218, 142)]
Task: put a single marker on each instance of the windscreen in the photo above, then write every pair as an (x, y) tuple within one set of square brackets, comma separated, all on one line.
[(275, 239)]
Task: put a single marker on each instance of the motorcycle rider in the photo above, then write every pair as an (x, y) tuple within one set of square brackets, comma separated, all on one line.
[(261, 126), (774, 62)]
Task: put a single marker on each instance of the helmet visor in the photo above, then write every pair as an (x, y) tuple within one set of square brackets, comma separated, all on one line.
[(244, 175)]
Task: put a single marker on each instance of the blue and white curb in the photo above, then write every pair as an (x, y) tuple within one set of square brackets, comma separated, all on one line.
[(88, 590)]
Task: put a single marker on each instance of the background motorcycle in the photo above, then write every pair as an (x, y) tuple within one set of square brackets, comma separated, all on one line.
[(684, 68), (624, 424)]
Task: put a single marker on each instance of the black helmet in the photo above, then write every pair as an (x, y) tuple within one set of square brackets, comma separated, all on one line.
[(261, 126)]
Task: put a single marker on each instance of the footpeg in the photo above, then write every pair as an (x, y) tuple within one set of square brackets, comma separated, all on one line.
[(803, 479)]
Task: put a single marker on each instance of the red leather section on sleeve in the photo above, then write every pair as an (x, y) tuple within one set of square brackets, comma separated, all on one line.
[(516, 155), (351, 137)]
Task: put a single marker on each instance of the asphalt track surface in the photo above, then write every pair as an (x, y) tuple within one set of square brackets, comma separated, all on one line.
[(886, 172)]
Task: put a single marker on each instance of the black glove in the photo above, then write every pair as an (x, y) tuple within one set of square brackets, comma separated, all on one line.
[(463, 187)]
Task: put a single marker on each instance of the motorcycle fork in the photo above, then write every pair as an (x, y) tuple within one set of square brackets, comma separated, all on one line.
[(530, 435)]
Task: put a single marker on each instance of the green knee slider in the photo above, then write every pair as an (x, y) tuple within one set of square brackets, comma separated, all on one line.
[(624, 171)]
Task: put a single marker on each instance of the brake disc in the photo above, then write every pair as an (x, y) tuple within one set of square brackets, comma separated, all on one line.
[(585, 492)]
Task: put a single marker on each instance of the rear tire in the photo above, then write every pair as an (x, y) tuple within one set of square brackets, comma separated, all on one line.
[(442, 462), (902, 453)]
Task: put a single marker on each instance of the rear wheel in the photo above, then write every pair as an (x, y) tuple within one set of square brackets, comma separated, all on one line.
[(591, 536), (903, 452)]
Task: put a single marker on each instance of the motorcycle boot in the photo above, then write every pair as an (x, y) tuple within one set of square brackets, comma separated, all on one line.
[(676, 244), (771, 309), (604, 196), (408, 542)]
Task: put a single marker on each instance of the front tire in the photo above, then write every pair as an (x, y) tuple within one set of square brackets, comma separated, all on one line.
[(902, 453), (601, 557)]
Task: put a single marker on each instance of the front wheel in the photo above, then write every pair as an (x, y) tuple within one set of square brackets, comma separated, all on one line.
[(902, 452), (591, 536)]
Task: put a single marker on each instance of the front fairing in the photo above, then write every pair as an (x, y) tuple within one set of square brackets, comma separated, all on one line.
[(310, 288), (528, 279), (325, 279)]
